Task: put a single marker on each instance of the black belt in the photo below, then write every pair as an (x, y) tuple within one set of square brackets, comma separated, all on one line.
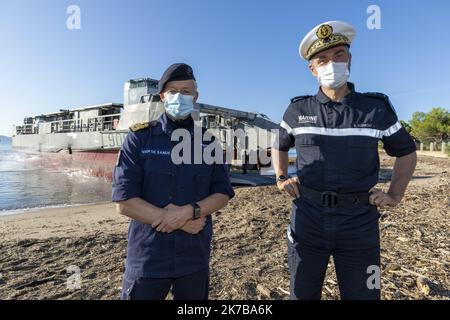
[(332, 199)]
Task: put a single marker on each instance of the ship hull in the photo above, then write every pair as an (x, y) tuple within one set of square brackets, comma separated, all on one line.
[(93, 153), (77, 141), (93, 163)]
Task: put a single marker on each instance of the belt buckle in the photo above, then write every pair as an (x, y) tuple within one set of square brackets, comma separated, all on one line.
[(329, 199)]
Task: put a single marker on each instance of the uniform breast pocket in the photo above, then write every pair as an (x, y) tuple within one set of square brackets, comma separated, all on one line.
[(361, 152), (307, 140), (159, 187), (308, 149), (202, 186)]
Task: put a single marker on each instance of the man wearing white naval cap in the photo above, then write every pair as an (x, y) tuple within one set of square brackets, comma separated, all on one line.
[(335, 207)]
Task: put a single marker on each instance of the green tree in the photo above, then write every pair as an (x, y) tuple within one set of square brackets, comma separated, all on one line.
[(406, 125), (433, 126)]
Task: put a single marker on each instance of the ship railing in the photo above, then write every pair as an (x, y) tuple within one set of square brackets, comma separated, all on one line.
[(26, 129), (107, 122), (69, 125), (101, 123)]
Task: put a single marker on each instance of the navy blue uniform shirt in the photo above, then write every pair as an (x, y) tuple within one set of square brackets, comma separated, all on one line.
[(337, 142), (144, 169)]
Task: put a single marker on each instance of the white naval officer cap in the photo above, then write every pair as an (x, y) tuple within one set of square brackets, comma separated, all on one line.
[(325, 36)]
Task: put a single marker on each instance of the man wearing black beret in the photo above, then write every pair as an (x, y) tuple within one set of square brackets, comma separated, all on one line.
[(169, 204)]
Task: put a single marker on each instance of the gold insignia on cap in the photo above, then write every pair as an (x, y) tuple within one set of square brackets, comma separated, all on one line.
[(324, 44), (324, 36), (324, 31), (139, 126)]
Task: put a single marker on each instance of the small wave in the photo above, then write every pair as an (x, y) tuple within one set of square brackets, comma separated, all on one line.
[(21, 170), (28, 159), (82, 175), (13, 157), (17, 156)]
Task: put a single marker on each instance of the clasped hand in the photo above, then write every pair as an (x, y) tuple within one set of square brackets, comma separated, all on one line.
[(178, 217)]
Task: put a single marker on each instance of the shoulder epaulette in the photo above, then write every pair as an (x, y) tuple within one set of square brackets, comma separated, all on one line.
[(139, 126), (381, 96), (376, 95), (298, 98)]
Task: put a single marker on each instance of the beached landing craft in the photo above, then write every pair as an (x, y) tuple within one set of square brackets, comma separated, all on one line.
[(89, 138)]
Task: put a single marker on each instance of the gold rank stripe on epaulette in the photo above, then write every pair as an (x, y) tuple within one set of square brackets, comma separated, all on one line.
[(139, 126)]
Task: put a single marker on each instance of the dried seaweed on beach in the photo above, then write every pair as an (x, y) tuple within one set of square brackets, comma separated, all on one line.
[(249, 258)]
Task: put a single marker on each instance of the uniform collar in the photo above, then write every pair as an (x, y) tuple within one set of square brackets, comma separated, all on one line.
[(347, 100), (168, 125)]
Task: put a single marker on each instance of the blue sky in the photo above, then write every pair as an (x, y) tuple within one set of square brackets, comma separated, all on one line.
[(244, 52)]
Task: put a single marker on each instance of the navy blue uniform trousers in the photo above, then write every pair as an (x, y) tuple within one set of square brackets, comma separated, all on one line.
[(190, 287), (350, 235)]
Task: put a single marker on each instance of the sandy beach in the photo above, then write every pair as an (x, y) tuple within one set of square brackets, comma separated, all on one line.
[(249, 258)]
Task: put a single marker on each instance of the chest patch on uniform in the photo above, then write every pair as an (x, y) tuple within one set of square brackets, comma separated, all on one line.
[(363, 125), (156, 152), (307, 119)]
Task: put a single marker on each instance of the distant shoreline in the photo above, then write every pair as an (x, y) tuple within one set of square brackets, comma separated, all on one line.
[(21, 211), (5, 139)]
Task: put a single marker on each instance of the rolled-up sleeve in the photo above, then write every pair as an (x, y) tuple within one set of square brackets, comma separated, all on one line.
[(396, 140), (220, 182), (285, 139), (128, 172)]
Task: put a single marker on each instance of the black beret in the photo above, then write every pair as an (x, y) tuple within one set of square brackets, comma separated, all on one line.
[(176, 72)]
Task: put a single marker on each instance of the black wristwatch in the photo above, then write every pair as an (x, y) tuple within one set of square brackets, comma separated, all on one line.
[(197, 209), (281, 178)]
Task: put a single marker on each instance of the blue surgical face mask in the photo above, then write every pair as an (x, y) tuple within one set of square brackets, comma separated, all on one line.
[(178, 106)]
